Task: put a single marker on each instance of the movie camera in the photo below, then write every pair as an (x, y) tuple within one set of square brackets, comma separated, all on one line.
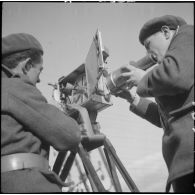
[(82, 94), (90, 85)]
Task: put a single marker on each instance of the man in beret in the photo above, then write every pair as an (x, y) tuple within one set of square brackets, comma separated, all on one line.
[(170, 42), (29, 125)]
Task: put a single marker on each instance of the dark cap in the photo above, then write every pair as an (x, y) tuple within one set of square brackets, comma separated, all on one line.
[(154, 25), (19, 42)]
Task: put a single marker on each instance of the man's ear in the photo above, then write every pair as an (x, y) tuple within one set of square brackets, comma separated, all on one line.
[(26, 65), (166, 31)]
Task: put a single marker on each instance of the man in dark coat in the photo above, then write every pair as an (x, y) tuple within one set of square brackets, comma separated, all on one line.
[(29, 125), (170, 42)]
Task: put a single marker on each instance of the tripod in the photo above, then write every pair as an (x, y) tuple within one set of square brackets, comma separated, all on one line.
[(91, 141)]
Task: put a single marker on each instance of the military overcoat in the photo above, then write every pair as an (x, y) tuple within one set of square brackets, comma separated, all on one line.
[(30, 125), (172, 85)]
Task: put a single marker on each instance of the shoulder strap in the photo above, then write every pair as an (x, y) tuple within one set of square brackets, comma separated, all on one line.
[(6, 71)]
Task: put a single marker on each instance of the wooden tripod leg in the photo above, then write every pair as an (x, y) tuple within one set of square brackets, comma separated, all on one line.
[(93, 186), (130, 183), (82, 176), (93, 177), (67, 166), (59, 161), (113, 174)]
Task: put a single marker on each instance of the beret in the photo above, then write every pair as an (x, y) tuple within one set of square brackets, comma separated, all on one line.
[(19, 42), (154, 25)]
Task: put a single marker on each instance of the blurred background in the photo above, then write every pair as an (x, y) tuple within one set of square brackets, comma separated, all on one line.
[(65, 31)]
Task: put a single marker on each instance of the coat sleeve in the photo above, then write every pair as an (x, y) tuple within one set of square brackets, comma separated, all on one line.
[(148, 110), (30, 108), (176, 72)]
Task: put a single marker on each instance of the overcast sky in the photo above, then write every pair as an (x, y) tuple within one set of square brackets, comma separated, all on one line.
[(66, 31)]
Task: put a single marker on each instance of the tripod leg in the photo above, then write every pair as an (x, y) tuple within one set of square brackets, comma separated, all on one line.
[(113, 173), (120, 166), (67, 166), (93, 186), (90, 169), (82, 176), (59, 161)]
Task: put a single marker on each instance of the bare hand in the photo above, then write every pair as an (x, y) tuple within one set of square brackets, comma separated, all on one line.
[(133, 75)]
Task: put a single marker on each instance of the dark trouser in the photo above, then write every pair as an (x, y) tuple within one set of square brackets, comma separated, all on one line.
[(184, 184)]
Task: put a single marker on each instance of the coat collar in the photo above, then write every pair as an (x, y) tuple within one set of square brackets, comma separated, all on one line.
[(6, 72), (179, 30)]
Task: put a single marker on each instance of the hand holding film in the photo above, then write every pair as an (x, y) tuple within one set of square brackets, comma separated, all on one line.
[(116, 79)]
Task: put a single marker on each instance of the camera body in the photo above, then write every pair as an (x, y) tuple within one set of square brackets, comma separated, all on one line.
[(86, 85)]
